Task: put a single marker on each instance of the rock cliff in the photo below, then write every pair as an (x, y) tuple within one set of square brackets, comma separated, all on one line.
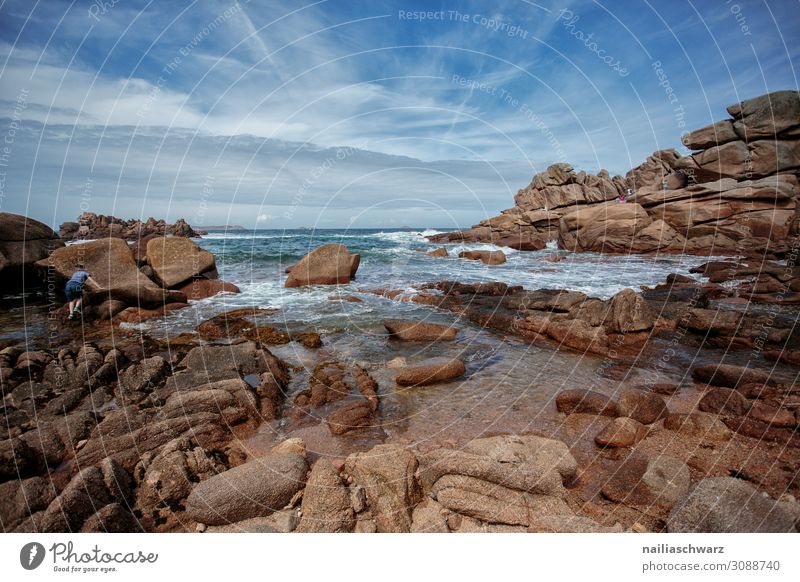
[(734, 194)]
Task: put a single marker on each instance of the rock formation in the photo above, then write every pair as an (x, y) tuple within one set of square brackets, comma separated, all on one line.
[(330, 264), (735, 194), (92, 226), (174, 271), (23, 241)]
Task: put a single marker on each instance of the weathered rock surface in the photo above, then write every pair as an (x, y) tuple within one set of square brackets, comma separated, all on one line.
[(330, 264), (257, 488), (586, 402), (111, 263), (91, 226), (409, 330), (387, 474), (621, 432), (728, 505), (326, 502), (175, 261), (736, 194), (23, 242), (649, 484), (486, 257), (431, 371)]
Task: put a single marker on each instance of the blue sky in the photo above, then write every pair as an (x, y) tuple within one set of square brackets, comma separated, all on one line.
[(357, 113)]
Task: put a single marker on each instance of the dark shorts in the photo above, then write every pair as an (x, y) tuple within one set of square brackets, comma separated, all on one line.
[(73, 291)]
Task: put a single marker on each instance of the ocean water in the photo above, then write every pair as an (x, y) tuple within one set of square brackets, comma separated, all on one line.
[(390, 259), (510, 385)]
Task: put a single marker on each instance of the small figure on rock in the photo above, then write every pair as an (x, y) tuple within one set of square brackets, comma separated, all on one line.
[(74, 289)]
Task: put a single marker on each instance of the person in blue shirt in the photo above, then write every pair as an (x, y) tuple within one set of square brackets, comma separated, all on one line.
[(74, 289)]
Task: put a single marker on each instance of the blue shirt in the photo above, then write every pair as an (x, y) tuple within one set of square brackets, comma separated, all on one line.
[(78, 277)]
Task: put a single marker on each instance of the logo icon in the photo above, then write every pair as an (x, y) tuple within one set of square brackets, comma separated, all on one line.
[(31, 555)]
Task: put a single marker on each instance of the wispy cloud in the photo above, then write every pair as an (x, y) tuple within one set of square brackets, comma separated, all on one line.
[(147, 97)]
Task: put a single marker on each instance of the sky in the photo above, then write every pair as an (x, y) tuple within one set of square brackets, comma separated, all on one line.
[(356, 114)]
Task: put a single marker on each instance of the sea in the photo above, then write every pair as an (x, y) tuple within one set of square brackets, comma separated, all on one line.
[(510, 384)]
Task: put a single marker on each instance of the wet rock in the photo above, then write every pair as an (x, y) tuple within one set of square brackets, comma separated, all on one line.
[(440, 252), (712, 321), (698, 424), (763, 431), (347, 298), (487, 257), (728, 505), (730, 376), (108, 309), (213, 402), (202, 288), (350, 416), (656, 483), (621, 432), (641, 406), (409, 330), (309, 339), (387, 474), (724, 401), (176, 260), (579, 335), (326, 502), (431, 371), (772, 415), (629, 312), (587, 402), (257, 488), (329, 264)]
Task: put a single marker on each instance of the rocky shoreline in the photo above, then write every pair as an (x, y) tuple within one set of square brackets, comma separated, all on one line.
[(735, 194), (110, 427)]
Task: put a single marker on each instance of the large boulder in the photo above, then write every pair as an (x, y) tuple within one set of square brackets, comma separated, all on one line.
[(255, 489), (729, 505), (431, 371), (486, 257), (176, 260), (766, 116), (23, 241), (326, 502), (388, 475), (111, 263), (330, 264), (608, 228)]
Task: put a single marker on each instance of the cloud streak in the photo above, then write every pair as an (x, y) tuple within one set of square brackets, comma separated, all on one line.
[(147, 97)]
